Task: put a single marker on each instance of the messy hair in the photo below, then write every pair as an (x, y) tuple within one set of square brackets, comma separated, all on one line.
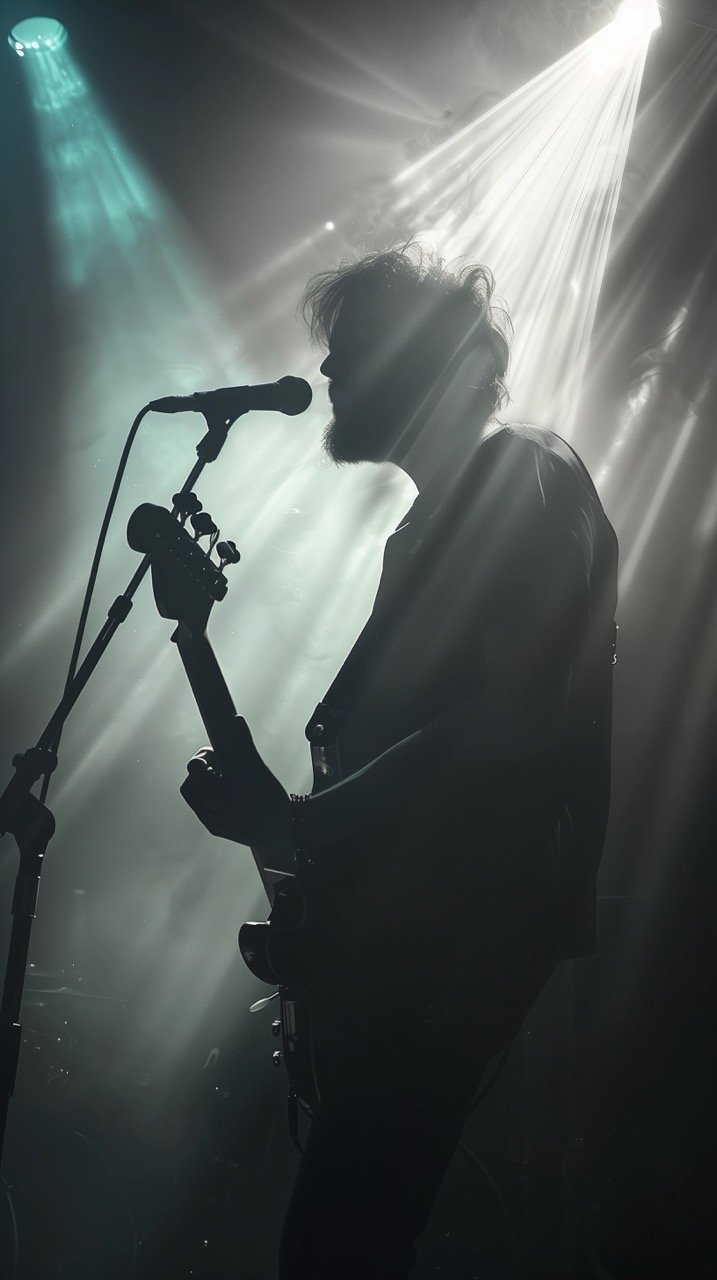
[(449, 311)]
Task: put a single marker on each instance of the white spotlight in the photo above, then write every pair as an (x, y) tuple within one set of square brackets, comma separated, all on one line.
[(626, 36), (330, 226), (638, 18)]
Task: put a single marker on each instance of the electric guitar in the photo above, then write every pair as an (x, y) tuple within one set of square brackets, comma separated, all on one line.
[(187, 583)]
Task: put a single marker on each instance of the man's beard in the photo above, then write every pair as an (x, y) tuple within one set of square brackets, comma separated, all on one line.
[(369, 433), (346, 441)]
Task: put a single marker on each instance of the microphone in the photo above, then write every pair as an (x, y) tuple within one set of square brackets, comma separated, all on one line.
[(288, 395)]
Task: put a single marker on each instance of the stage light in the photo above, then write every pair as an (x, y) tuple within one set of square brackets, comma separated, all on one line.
[(330, 226), (37, 35), (638, 19)]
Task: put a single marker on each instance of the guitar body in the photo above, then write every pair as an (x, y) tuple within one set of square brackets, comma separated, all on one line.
[(291, 948), (275, 952)]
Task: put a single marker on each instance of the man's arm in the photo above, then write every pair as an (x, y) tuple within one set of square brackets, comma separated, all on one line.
[(518, 716)]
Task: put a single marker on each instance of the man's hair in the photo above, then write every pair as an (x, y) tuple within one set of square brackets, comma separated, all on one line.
[(445, 312)]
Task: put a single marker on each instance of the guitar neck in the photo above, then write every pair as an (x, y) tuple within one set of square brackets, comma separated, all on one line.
[(216, 707)]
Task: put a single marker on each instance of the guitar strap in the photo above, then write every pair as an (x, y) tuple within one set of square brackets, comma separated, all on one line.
[(344, 694), (337, 705)]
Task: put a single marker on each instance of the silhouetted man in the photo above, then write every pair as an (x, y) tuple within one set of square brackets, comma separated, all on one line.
[(450, 845)]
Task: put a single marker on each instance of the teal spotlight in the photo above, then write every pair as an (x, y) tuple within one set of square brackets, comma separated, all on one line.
[(37, 35)]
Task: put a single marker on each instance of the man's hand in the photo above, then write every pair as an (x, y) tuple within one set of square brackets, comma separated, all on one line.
[(248, 805)]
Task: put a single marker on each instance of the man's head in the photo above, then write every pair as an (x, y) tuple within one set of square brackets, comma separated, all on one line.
[(402, 331)]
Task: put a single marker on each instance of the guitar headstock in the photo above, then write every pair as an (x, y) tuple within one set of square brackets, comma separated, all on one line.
[(185, 579)]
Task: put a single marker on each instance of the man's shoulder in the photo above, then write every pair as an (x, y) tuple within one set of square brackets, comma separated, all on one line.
[(519, 436), (557, 467), (526, 439)]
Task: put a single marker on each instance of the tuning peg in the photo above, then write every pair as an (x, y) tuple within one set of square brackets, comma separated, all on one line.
[(186, 504), (203, 524), (228, 554)]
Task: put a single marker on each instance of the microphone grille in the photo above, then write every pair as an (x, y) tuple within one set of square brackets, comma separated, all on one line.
[(296, 395)]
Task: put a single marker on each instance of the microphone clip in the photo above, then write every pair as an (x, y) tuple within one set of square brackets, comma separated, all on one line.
[(212, 443)]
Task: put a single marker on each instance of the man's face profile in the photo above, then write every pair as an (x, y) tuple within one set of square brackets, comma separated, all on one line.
[(370, 380)]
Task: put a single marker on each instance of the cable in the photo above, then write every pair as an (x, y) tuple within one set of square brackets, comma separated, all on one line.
[(92, 579), (491, 1080), (11, 1249), (472, 1158)]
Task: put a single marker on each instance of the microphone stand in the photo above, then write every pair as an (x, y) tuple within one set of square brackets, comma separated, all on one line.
[(30, 821)]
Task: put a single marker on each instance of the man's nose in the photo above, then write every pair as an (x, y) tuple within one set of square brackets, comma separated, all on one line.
[(327, 367)]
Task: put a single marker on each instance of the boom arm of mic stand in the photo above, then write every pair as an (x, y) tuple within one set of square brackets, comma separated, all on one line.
[(32, 823)]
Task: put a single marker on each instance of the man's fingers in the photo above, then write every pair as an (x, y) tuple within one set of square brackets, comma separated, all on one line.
[(201, 804), (189, 792), (204, 785), (203, 763), (198, 768)]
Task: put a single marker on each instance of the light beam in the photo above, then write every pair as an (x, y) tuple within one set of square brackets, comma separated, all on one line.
[(531, 188)]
